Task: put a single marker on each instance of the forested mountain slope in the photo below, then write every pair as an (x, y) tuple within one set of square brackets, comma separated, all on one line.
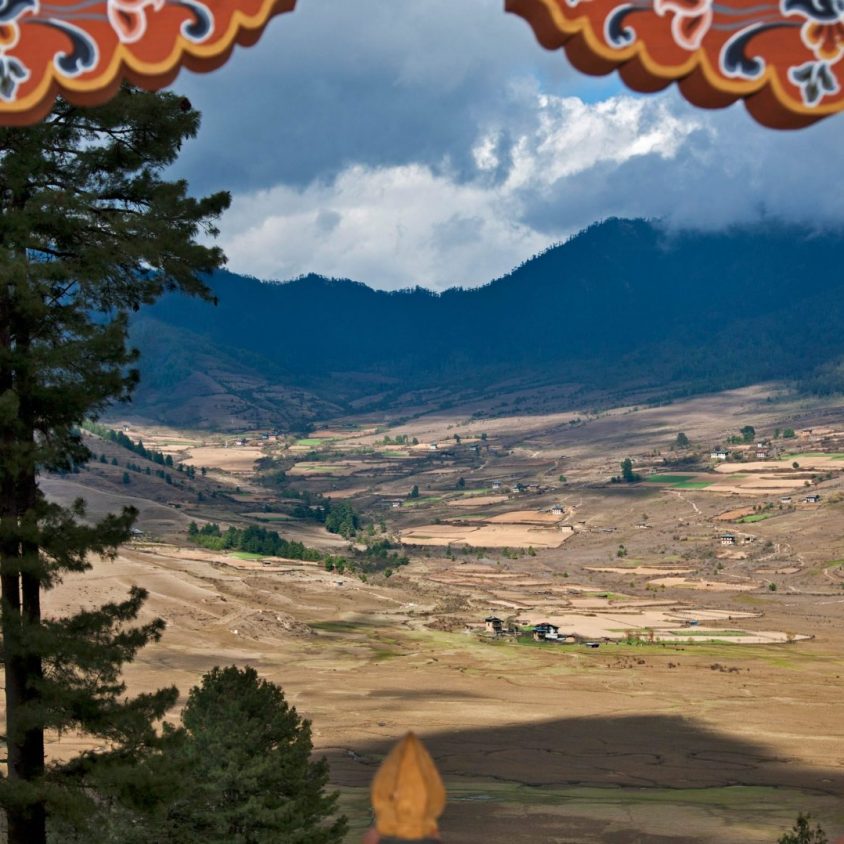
[(622, 303)]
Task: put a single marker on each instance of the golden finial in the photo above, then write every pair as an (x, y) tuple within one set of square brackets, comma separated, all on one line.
[(408, 793)]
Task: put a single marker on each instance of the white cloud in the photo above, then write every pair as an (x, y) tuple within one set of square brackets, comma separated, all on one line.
[(436, 143), (392, 227), (404, 225)]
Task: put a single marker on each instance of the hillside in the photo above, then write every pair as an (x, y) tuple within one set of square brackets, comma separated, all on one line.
[(621, 306)]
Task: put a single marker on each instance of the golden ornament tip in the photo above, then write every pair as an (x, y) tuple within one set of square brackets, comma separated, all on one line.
[(408, 794)]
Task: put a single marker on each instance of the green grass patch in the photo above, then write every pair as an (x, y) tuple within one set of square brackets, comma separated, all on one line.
[(528, 641), (678, 481), (317, 468), (380, 654), (246, 555), (710, 633), (416, 502), (339, 626), (829, 455), (310, 442), (756, 517)]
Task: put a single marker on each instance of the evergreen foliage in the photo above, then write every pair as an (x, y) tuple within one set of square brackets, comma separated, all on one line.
[(802, 833), (378, 553), (627, 322), (252, 540), (341, 518), (91, 231), (251, 778), (627, 473), (128, 443)]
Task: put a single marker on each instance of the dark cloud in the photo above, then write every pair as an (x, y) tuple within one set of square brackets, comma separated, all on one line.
[(726, 170), (402, 142), (375, 82)]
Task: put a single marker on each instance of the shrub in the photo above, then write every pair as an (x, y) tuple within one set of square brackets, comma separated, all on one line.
[(802, 833)]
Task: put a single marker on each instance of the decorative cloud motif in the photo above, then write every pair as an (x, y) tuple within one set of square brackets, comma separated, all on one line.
[(81, 51), (718, 51)]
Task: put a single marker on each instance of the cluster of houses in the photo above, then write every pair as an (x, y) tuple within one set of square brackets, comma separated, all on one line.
[(543, 632), (546, 632), (763, 450), (732, 539), (518, 488)]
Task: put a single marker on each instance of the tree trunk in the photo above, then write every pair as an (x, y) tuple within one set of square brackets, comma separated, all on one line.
[(21, 588)]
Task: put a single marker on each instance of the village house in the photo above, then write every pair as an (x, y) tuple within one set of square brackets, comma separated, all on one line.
[(728, 539), (558, 510), (812, 499), (496, 484), (546, 632), (494, 624), (396, 504), (786, 499), (517, 487), (433, 447), (719, 454)]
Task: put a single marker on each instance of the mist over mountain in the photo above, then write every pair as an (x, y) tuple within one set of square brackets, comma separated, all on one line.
[(623, 305)]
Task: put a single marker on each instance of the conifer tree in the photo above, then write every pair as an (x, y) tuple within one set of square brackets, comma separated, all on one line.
[(252, 780), (90, 229)]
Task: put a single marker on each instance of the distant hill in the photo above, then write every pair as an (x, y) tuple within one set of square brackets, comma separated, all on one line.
[(622, 305)]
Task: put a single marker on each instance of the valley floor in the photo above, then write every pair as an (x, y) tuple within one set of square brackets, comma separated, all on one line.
[(711, 712)]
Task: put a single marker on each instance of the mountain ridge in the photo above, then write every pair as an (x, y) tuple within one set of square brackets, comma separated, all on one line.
[(623, 302)]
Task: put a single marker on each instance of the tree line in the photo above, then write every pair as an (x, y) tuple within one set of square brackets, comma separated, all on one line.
[(128, 443), (378, 554), (251, 540)]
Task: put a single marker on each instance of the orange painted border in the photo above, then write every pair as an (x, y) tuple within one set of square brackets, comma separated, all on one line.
[(769, 99), (243, 29)]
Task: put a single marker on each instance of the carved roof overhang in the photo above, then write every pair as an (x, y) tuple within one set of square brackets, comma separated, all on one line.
[(83, 49), (782, 57)]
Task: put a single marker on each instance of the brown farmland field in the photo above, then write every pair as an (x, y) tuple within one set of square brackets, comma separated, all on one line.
[(709, 710)]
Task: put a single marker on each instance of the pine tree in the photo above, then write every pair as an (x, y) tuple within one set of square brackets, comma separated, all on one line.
[(251, 779), (627, 472), (90, 231), (802, 833)]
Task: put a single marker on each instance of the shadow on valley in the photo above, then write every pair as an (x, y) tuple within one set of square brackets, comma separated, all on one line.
[(643, 750), (587, 779)]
